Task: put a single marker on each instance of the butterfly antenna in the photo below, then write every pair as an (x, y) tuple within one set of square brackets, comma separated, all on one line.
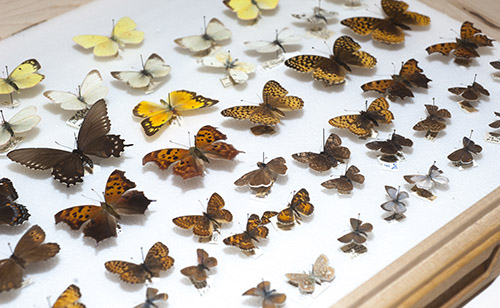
[(61, 145), (323, 138), (142, 63), (205, 23), (202, 206), (3, 119), (142, 254), (113, 25), (327, 53), (263, 157), (177, 143), (433, 101), (48, 301), (7, 70), (475, 75), (10, 248)]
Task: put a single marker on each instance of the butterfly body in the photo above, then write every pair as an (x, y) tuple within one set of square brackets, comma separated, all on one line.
[(359, 232), (321, 272), (344, 183), (255, 230), (22, 77), (298, 207)]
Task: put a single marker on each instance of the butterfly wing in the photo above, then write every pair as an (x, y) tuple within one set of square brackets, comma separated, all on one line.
[(380, 86), (380, 109), (22, 77), (323, 69), (124, 32), (263, 46), (164, 158), (215, 209), (240, 72), (135, 79), (286, 216), (103, 45), (240, 112), (156, 116), (348, 51), (241, 240), (412, 73), (361, 25), (300, 202), (11, 274), (303, 281), (185, 100), (129, 272), (322, 270), (352, 122), (69, 298), (158, 259), (121, 198), (274, 94), (206, 141), (92, 89), (156, 67), (343, 185), (194, 43), (24, 120), (202, 227), (353, 174), (67, 100), (217, 31), (30, 249)]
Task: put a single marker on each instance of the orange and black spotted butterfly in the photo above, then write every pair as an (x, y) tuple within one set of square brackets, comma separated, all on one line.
[(69, 298), (465, 46), (204, 225), (344, 183), (359, 232), (409, 76), (11, 213), (157, 260), (189, 163), (255, 230), (390, 29), (198, 273), (270, 298), (151, 297), (332, 70), (390, 148), (463, 156), (331, 155), (362, 124), (435, 121), (298, 207), (472, 92), (100, 222), (29, 249)]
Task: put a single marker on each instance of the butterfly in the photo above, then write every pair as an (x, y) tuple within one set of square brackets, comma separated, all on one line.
[(271, 110), (204, 225), (236, 70), (319, 16), (68, 167), (28, 250), (495, 124), (332, 70), (344, 183), (390, 29), (427, 181), (331, 155), (435, 121), (250, 9), (69, 298), (465, 46), (396, 204), (157, 115), (285, 36), (151, 297), (147, 78), (198, 273), (270, 298), (189, 163), (463, 156), (20, 123), (100, 222), (215, 31), (321, 272), (255, 230), (363, 123), (22, 77), (409, 76), (11, 213), (471, 93), (263, 177), (157, 260), (123, 33), (300, 206), (495, 64), (358, 234), (390, 147)]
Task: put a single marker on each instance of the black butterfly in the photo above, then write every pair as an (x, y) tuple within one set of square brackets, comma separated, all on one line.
[(68, 167), (11, 213)]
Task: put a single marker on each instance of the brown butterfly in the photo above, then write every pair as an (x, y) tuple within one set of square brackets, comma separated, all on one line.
[(332, 70), (465, 46), (151, 297), (362, 124), (409, 76), (358, 234), (472, 92), (300, 206), (11, 213), (69, 298), (270, 298), (495, 124), (157, 260), (189, 163), (331, 155), (100, 222), (29, 249), (68, 167), (255, 230), (390, 29), (198, 273), (321, 272), (263, 178), (495, 64), (435, 121), (463, 156), (204, 225), (344, 183), (390, 147)]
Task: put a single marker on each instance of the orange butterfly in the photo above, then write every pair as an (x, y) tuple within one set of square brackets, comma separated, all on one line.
[(157, 260), (101, 221), (465, 46), (409, 76), (69, 298), (255, 230), (299, 206), (188, 163), (332, 70), (363, 123), (204, 225), (390, 29)]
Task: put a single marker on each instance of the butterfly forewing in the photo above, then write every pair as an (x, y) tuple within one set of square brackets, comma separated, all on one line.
[(69, 298)]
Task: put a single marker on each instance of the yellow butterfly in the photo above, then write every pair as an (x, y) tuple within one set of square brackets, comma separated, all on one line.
[(123, 33), (250, 9), (156, 115), (22, 77)]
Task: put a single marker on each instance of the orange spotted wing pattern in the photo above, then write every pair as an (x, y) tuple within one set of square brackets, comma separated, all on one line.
[(69, 298), (255, 230), (409, 76), (465, 46), (332, 70), (344, 183), (157, 260), (363, 123), (189, 163), (390, 29), (300, 206), (100, 222), (204, 225), (435, 121)]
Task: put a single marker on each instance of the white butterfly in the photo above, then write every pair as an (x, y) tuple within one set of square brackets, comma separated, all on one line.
[(154, 67), (319, 17), (89, 92), (21, 122), (427, 181), (238, 71), (215, 31), (395, 204), (285, 36)]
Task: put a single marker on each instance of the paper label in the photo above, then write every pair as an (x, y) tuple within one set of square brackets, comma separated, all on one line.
[(77, 119), (321, 33), (227, 81), (12, 144), (394, 166), (492, 138), (467, 107), (271, 64)]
